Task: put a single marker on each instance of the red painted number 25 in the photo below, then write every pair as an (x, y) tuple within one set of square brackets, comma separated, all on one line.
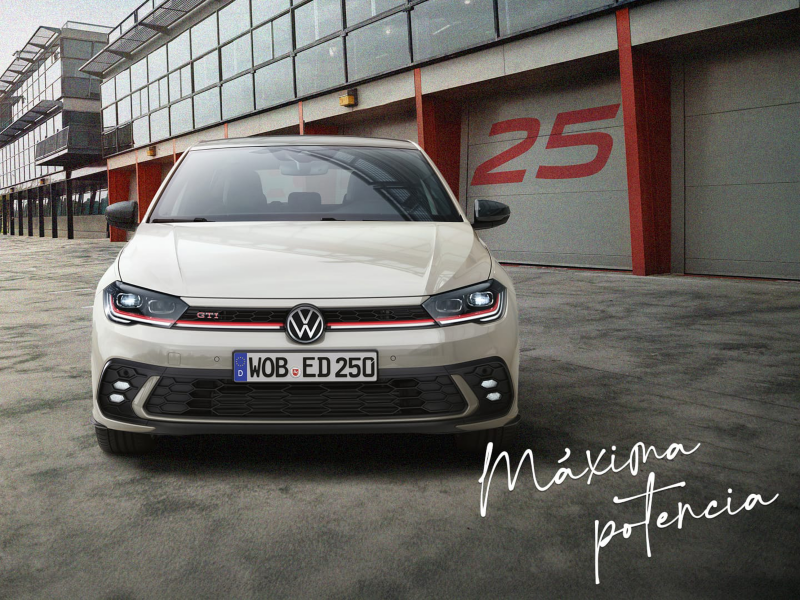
[(485, 174)]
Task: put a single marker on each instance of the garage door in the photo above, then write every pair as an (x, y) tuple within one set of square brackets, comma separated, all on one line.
[(556, 156), (742, 157)]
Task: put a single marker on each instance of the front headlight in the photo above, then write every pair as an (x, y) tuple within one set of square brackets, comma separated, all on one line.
[(482, 302), (129, 304)]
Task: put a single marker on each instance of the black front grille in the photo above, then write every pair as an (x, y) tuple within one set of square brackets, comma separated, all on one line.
[(380, 314), (418, 396), (127, 376), (278, 315)]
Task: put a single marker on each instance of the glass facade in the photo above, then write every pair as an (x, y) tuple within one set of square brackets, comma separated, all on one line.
[(51, 79), (255, 54)]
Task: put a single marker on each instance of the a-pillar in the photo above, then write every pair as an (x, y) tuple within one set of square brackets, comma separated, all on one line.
[(148, 180), (645, 83), (118, 191), (439, 132)]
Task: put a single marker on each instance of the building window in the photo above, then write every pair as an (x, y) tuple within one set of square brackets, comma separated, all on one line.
[(163, 91), (236, 57), (77, 49), (282, 35), (186, 80), (266, 9), (141, 132), (204, 36), (361, 10), (136, 106), (274, 84), (180, 116), (124, 110), (234, 19), (379, 47), (519, 15), (175, 85), (139, 74), (237, 97), (159, 125), (444, 26), (316, 20), (206, 71), (157, 64), (108, 92), (262, 44), (123, 83), (110, 116), (153, 95), (320, 67), (206, 108), (179, 51)]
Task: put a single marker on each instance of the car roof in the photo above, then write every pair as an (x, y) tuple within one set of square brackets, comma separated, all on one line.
[(304, 140)]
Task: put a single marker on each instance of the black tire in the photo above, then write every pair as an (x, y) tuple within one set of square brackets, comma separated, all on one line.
[(475, 442), (123, 442)]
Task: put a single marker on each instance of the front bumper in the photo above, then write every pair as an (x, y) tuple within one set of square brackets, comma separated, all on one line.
[(176, 401)]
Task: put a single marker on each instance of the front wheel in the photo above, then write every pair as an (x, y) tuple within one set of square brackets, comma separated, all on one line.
[(475, 442), (123, 442)]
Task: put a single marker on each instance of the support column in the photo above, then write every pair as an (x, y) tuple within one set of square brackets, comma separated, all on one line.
[(68, 198), (439, 132), (53, 213), (11, 214), (118, 191), (40, 203), (4, 204), (645, 83), (19, 214), (148, 180), (29, 203)]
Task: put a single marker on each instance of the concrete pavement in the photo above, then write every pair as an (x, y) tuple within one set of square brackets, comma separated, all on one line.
[(608, 360)]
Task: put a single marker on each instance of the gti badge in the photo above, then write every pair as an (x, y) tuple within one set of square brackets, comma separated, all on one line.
[(305, 324), (207, 315)]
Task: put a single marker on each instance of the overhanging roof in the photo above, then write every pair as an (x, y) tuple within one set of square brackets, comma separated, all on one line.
[(138, 29), (29, 120), (27, 59)]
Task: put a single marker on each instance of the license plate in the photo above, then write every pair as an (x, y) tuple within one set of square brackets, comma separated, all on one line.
[(305, 366)]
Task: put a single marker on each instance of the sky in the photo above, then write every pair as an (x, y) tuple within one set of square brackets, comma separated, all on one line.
[(20, 18)]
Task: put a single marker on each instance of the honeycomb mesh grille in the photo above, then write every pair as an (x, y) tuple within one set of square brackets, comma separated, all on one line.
[(332, 315), (419, 396)]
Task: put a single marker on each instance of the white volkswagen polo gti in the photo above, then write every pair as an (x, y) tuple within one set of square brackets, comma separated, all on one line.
[(304, 285)]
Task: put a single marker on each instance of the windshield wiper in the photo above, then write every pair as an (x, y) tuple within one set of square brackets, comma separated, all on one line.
[(195, 220)]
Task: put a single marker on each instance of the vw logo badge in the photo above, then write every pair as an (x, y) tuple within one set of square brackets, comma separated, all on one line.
[(305, 324)]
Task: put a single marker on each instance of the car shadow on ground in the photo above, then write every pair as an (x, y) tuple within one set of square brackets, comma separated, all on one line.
[(353, 454)]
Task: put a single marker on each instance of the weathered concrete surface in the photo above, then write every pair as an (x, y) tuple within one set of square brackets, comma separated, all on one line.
[(608, 359)]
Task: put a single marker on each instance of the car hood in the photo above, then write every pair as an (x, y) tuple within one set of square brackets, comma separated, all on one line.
[(304, 260)]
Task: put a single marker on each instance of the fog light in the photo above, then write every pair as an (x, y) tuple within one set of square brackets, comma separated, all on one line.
[(117, 398), (494, 396), (124, 385), (488, 384)]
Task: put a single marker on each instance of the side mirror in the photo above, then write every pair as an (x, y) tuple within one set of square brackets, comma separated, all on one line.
[(123, 215), (489, 213)]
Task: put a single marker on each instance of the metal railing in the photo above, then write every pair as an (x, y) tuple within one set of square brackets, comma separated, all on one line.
[(81, 139), (118, 139)]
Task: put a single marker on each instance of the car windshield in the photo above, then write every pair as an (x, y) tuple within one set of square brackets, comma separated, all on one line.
[(304, 183)]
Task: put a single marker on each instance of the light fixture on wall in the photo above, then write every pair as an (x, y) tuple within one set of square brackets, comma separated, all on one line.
[(349, 99), (151, 151), (42, 181)]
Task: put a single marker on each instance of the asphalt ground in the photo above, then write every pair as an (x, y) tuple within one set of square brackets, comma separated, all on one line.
[(608, 360)]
